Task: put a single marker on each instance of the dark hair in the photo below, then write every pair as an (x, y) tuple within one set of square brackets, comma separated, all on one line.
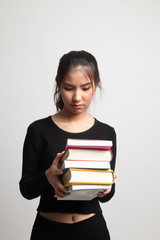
[(68, 62)]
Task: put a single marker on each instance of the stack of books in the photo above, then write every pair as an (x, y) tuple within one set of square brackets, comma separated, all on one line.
[(86, 168)]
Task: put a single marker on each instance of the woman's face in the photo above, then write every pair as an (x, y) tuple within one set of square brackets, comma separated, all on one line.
[(77, 91)]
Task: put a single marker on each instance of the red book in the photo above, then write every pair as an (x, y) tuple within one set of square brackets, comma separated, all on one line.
[(95, 154)]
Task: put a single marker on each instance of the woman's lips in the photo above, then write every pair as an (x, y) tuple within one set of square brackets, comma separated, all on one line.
[(77, 106)]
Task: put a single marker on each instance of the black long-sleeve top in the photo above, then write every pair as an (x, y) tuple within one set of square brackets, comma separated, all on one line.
[(44, 139)]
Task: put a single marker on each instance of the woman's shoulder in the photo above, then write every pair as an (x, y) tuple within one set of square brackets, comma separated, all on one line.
[(40, 123), (105, 130), (104, 125)]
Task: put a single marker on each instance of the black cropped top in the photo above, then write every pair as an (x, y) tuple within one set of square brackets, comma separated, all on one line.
[(44, 139)]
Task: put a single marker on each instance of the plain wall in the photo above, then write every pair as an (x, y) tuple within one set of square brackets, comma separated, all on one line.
[(124, 37)]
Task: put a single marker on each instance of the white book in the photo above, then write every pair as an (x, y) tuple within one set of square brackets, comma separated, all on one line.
[(85, 164), (87, 154), (89, 143), (88, 187), (84, 193)]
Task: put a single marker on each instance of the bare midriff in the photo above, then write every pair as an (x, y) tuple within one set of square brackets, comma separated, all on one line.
[(66, 217)]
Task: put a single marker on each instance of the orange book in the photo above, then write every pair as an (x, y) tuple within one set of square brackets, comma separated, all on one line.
[(88, 176)]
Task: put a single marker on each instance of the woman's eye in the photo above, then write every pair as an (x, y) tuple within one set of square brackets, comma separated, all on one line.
[(68, 89), (71, 89), (85, 89)]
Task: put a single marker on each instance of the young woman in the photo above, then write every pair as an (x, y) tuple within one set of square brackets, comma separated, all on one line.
[(77, 79)]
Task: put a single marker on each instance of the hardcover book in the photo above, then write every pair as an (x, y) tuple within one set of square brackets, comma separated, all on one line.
[(87, 154), (87, 176), (84, 194), (87, 143), (85, 164)]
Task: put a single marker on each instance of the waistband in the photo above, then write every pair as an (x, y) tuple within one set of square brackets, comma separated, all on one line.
[(90, 220)]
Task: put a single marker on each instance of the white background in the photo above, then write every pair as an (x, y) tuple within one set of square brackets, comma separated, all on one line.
[(124, 36)]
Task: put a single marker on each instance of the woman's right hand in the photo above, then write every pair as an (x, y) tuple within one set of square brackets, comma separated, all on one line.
[(52, 175)]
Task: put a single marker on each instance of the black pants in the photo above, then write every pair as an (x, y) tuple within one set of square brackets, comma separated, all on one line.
[(93, 228)]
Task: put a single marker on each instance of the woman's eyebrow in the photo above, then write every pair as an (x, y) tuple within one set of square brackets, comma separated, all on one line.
[(88, 83), (69, 84)]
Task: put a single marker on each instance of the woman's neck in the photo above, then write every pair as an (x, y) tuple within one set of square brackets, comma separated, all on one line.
[(67, 117), (73, 123)]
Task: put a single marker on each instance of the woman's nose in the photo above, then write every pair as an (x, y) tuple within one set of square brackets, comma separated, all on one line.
[(76, 96)]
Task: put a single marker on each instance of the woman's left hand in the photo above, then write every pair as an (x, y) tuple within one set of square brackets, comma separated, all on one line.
[(105, 192)]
